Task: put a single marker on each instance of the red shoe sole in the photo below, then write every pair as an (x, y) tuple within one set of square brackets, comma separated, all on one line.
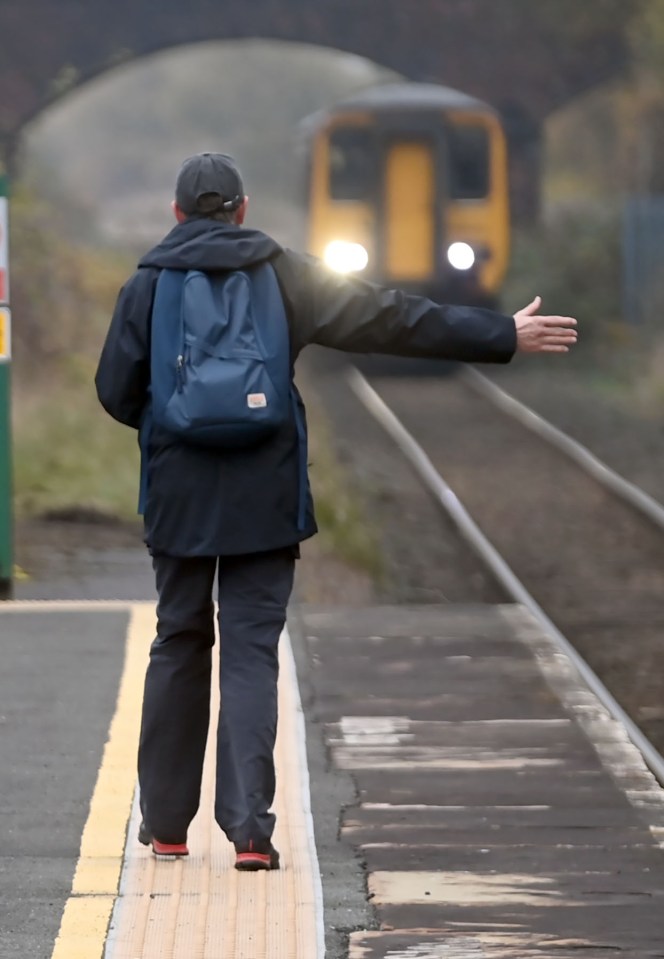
[(252, 861), (165, 850)]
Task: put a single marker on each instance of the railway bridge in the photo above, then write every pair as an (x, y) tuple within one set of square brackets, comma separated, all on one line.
[(526, 59)]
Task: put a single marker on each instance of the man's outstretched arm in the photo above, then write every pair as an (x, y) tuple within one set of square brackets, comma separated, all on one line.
[(543, 334)]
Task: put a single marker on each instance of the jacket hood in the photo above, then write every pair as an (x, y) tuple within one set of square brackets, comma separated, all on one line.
[(204, 244)]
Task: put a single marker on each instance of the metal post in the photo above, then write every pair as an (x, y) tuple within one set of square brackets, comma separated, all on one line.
[(6, 521)]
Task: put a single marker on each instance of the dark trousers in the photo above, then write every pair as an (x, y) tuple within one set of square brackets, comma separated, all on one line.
[(253, 595)]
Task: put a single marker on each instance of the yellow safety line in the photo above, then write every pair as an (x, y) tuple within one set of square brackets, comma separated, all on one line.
[(88, 910)]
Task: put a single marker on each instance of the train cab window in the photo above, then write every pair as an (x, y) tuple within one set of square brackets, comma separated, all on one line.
[(352, 164), (469, 162)]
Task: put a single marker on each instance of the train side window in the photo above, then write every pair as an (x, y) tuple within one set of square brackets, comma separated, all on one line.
[(352, 164), (469, 162)]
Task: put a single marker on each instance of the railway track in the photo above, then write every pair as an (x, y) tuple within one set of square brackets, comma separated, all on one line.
[(561, 533), (625, 492)]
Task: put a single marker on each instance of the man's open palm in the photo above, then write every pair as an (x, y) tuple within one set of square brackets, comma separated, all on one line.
[(543, 334)]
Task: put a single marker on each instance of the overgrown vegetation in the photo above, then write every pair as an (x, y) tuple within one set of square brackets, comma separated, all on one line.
[(61, 291), (344, 529), (574, 263), (69, 456), (67, 452), (601, 151)]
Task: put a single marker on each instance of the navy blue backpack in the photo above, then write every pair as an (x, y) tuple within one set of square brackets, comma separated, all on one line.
[(220, 366)]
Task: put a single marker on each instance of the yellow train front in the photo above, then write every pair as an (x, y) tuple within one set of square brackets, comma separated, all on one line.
[(408, 187)]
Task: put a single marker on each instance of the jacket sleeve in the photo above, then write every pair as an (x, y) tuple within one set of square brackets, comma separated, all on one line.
[(353, 315), (123, 374)]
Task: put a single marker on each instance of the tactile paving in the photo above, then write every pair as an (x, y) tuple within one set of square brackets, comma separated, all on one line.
[(201, 907)]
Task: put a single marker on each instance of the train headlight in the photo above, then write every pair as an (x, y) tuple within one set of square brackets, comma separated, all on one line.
[(461, 256), (346, 257)]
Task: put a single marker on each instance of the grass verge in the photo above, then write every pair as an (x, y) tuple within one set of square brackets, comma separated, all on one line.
[(345, 530), (70, 455)]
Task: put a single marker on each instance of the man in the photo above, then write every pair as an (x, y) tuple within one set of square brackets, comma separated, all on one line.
[(238, 513)]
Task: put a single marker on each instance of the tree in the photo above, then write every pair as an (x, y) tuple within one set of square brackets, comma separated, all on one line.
[(647, 147)]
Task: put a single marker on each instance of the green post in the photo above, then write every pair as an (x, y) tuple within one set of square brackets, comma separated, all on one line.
[(6, 521)]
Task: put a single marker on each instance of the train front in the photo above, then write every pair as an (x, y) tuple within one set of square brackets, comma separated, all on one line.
[(408, 187)]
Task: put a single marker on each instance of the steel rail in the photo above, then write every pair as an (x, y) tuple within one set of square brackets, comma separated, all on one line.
[(578, 453), (489, 554)]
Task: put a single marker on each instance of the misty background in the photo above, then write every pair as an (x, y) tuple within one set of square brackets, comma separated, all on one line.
[(97, 174), (113, 148)]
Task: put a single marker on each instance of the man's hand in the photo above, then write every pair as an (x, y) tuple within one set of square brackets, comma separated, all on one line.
[(543, 334)]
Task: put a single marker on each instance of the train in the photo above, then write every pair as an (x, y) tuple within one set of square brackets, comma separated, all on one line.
[(407, 186)]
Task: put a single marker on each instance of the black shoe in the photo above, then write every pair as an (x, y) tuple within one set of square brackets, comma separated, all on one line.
[(162, 850), (255, 855)]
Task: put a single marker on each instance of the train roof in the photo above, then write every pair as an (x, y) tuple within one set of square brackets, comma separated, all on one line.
[(391, 96), (387, 96)]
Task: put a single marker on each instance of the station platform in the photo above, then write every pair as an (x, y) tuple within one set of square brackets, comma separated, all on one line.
[(450, 789)]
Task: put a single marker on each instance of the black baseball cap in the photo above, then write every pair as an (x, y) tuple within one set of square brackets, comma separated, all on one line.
[(213, 176)]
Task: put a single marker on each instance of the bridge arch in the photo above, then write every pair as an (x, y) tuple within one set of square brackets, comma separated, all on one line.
[(475, 45), (125, 167)]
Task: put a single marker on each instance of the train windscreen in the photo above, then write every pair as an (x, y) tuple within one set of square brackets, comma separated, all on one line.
[(468, 162), (352, 164)]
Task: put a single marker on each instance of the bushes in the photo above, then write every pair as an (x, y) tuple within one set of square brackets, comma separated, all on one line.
[(574, 263), (69, 454), (66, 450), (62, 293)]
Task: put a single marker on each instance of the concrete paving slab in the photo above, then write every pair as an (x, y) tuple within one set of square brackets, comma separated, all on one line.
[(577, 926), (500, 811), (530, 819), (93, 574), (559, 859), (425, 622), (487, 835), (591, 788), (559, 734), (457, 944)]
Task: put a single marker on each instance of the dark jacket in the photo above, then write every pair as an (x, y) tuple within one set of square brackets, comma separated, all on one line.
[(210, 502)]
